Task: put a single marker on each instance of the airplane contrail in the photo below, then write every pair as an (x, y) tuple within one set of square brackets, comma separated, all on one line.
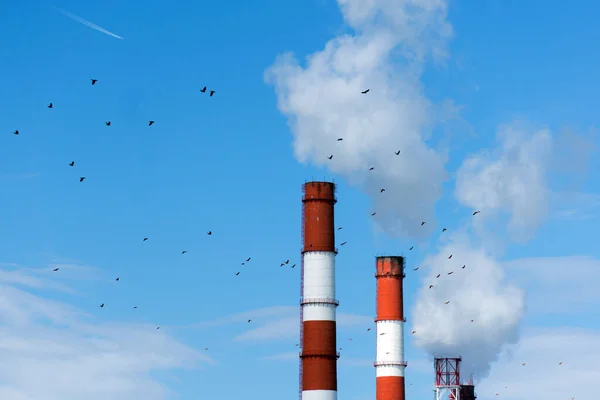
[(88, 23)]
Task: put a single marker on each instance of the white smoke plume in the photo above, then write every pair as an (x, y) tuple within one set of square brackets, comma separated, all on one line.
[(323, 102), (476, 293)]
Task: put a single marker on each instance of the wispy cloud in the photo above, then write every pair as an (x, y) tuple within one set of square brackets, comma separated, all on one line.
[(74, 355), (88, 23), (542, 376), (282, 323), (18, 176)]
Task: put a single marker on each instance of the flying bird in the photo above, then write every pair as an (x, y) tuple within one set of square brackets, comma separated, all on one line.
[(55, 269), (464, 266), (381, 334), (416, 269), (476, 212), (444, 230), (450, 256), (343, 243), (382, 190), (340, 139), (237, 274), (330, 157), (249, 320), (209, 233), (16, 132), (413, 332), (107, 123), (438, 275), (371, 169), (184, 251), (450, 273), (50, 105), (397, 152), (287, 261), (523, 364), (422, 223), (145, 239), (372, 215), (150, 123), (71, 163), (102, 305), (430, 286), (158, 327), (366, 91), (94, 81), (135, 307), (447, 302), (368, 329), (248, 259), (203, 90), (117, 279), (211, 93), (340, 228), (88, 23), (82, 179), (412, 248)]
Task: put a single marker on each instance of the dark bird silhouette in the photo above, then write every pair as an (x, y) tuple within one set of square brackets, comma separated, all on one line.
[(413, 332), (249, 320), (472, 320), (71, 163), (450, 256), (340, 228), (371, 169), (243, 263), (340, 139), (150, 123), (366, 91), (560, 363), (447, 302), (382, 190), (438, 275), (248, 259), (416, 269), (209, 233), (450, 273), (476, 212), (145, 239), (287, 261), (237, 274), (107, 123), (368, 329), (117, 279), (430, 286), (412, 248), (135, 307), (158, 327), (82, 179), (330, 157), (372, 215), (184, 251), (422, 223), (203, 90), (381, 334), (281, 265), (397, 152), (94, 81), (16, 132), (102, 305), (444, 230), (343, 243), (464, 266), (55, 269), (211, 93), (50, 105), (293, 265)]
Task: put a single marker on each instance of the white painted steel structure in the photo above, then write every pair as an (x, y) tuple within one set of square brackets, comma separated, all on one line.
[(319, 395), (390, 348)]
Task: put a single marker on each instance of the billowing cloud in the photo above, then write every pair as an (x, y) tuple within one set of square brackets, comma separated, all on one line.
[(477, 293), (323, 102), (72, 355)]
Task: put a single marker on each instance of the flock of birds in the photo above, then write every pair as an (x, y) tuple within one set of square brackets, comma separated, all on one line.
[(286, 262)]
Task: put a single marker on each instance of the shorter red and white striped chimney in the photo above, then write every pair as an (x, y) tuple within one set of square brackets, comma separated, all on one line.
[(390, 320)]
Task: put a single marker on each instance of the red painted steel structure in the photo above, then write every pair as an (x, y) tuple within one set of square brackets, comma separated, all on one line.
[(318, 356)]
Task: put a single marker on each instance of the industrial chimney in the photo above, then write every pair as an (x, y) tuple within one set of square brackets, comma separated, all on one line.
[(318, 357), (390, 320)]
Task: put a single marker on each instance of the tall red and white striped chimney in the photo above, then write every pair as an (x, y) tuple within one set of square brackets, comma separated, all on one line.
[(390, 320), (318, 358)]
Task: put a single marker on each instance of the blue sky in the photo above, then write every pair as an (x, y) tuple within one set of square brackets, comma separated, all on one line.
[(234, 164)]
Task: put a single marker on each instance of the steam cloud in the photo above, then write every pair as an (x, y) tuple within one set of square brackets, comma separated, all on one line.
[(322, 102), (475, 293)]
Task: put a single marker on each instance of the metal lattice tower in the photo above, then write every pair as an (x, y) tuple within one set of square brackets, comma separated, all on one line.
[(447, 378)]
